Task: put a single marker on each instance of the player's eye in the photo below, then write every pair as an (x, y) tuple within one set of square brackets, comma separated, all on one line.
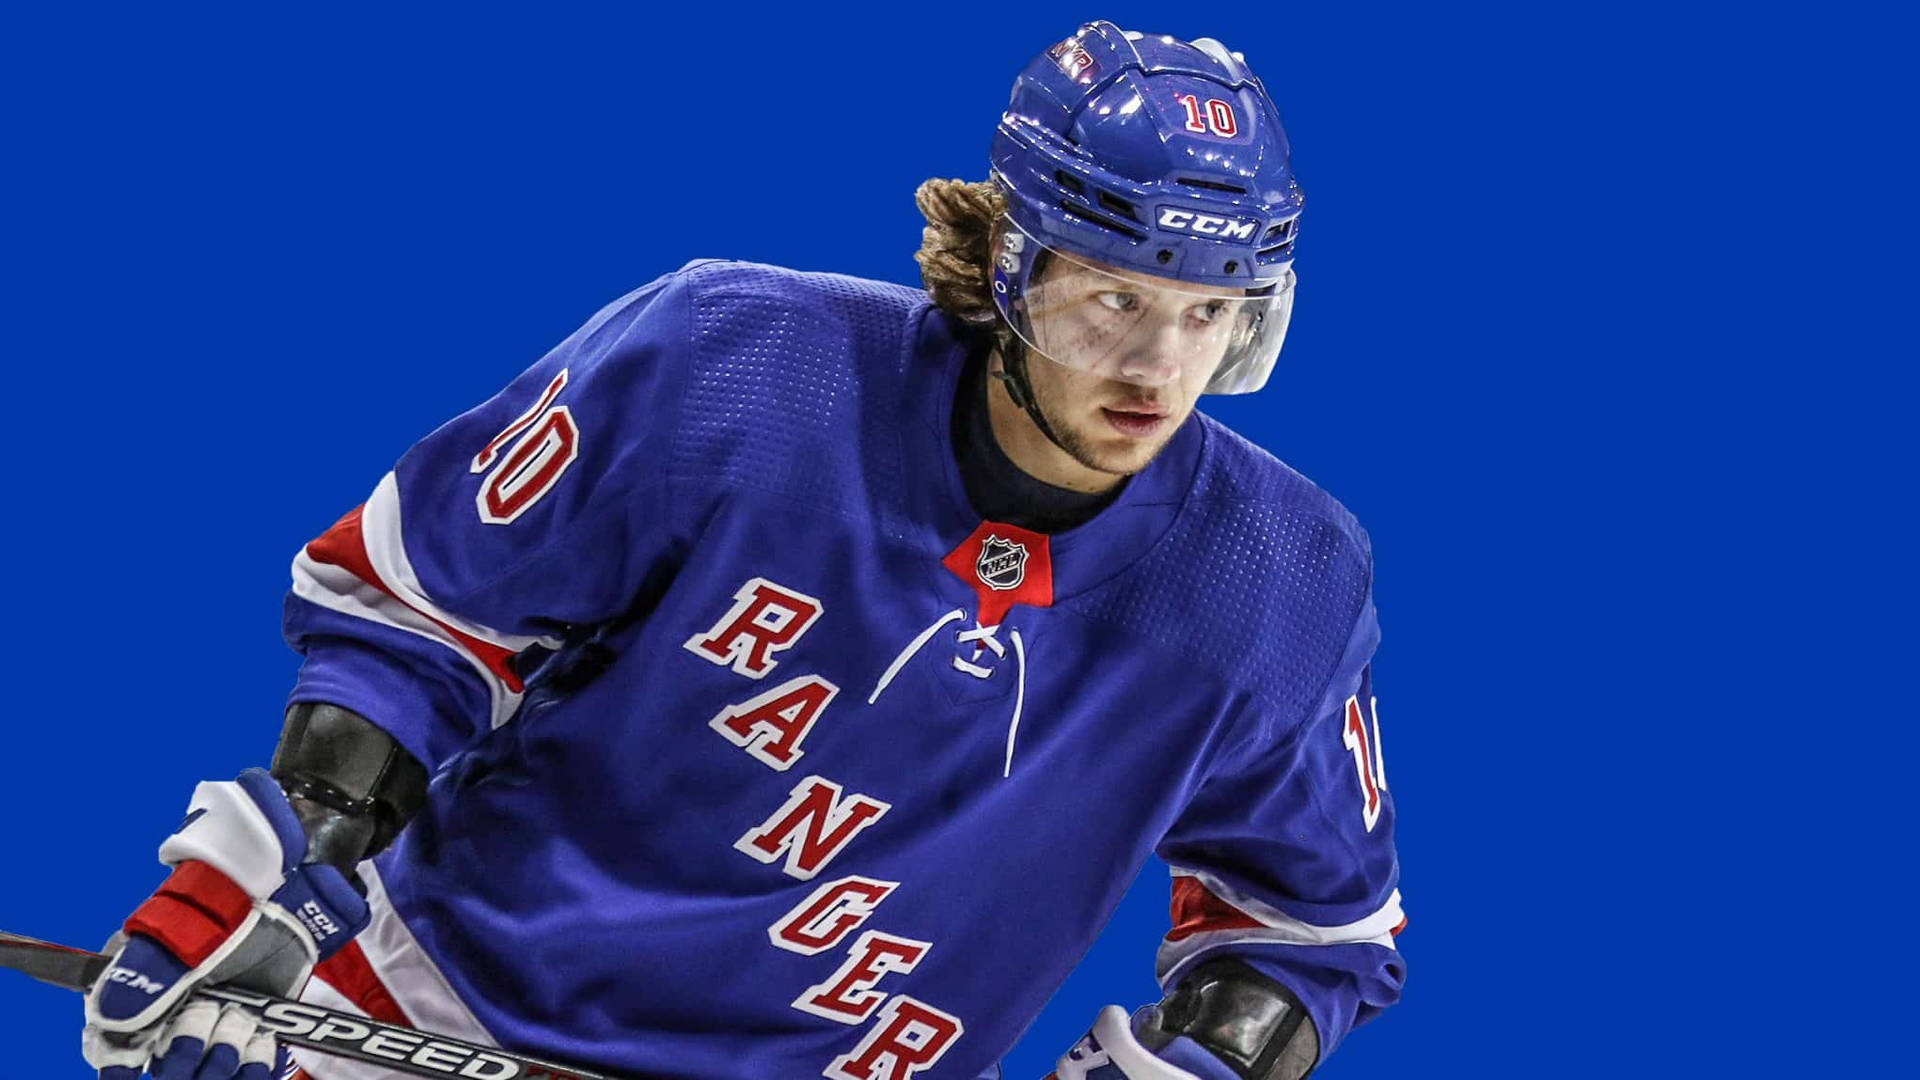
[(1208, 312), (1119, 301)]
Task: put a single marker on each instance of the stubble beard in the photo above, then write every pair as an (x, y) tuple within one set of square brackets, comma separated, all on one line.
[(1078, 447)]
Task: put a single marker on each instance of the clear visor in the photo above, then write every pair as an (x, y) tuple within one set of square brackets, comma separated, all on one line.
[(1145, 330)]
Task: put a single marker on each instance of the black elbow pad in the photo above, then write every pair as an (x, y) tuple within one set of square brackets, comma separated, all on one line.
[(351, 783), (1254, 1024)]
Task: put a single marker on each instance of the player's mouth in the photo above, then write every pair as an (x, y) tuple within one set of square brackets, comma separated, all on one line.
[(1136, 421)]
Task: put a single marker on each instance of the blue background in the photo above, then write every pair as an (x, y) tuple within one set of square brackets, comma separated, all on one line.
[(1594, 334)]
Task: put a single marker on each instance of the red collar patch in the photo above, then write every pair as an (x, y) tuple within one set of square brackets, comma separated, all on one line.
[(1004, 565)]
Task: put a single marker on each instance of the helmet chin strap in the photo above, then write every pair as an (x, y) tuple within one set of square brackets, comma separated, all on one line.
[(1013, 376)]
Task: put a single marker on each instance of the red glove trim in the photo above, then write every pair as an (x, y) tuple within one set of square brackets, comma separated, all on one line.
[(192, 913)]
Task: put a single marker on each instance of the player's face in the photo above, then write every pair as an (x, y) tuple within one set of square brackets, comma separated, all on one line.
[(1149, 331), (1125, 359)]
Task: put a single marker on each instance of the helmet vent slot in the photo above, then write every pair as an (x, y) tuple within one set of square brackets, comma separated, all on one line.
[(1118, 205), (1105, 223), (1069, 181), (1210, 185), (1274, 250), (1281, 228)]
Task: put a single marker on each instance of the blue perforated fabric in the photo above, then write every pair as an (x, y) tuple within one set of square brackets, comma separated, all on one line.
[(790, 378), (1260, 581)]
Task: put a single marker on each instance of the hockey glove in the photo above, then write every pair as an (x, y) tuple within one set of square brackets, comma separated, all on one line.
[(1111, 1052), (205, 1041), (240, 909)]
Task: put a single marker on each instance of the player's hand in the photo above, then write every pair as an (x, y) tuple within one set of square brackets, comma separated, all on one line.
[(204, 1041), (1111, 1046), (239, 909)]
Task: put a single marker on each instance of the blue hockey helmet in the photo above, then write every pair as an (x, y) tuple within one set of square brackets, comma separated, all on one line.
[(1160, 164)]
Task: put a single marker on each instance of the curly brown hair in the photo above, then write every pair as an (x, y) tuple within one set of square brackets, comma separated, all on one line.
[(956, 247)]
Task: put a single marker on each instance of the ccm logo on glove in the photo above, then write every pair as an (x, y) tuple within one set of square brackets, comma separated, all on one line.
[(133, 980), (317, 922)]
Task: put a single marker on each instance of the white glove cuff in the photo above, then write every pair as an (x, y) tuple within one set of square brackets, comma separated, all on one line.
[(1111, 1042), (228, 831)]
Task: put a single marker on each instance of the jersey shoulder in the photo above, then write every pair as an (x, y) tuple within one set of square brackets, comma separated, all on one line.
[(1237, 471), (797, 325), (1261, 578), (715, 278), (794, 382)]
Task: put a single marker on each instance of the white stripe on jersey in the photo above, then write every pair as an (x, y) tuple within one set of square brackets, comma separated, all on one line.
[(405, 970), (381, 532), (338, 589)]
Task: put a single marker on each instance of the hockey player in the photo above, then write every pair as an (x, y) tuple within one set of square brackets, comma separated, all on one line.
[(787, 674)]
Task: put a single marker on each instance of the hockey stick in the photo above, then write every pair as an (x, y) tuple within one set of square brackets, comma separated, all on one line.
[(296, 1023)]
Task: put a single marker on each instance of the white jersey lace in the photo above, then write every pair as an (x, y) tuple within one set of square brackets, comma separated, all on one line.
[(984, 639)]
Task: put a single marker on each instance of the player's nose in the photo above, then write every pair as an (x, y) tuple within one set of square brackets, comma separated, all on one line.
[(1153, 358)]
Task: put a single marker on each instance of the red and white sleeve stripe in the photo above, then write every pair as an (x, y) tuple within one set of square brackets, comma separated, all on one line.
[(385, 974), (1209, 914), (359, 567)]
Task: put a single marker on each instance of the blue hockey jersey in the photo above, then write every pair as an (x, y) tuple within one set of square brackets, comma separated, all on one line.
[(757, 754)]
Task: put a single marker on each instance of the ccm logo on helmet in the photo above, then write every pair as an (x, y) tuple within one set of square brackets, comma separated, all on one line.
[(1207, 224)]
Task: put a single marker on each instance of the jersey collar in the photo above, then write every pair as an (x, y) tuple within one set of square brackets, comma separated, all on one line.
[(940, 516)]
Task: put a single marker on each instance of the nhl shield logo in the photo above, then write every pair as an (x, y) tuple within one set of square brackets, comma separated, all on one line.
[(1002, 564)]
